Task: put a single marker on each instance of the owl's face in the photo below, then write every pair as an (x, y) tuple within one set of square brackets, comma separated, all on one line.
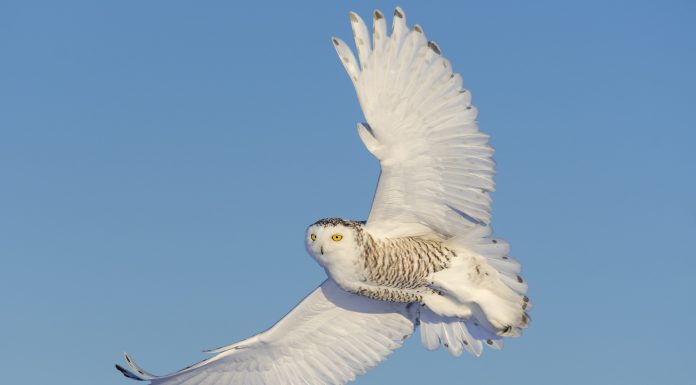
[(332, 242)]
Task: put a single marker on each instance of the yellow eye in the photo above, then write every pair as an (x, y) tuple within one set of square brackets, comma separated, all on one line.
[(337, 237), (314, 237)]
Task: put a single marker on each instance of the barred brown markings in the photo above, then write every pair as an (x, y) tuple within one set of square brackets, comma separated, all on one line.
[(402, 263), (386, 294)]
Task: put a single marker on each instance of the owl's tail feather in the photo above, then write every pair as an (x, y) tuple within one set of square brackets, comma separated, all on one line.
[(456, 334), (480, 296)]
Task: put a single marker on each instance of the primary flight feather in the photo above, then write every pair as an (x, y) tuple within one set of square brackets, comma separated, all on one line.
[(425, 256)]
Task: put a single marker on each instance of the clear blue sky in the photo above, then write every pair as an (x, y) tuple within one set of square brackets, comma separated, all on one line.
[(160, 160)]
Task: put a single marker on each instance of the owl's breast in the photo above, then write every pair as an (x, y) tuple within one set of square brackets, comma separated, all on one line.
[(405, 262)]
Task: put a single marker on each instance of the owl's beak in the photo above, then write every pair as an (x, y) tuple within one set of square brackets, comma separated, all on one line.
[(321, 249)]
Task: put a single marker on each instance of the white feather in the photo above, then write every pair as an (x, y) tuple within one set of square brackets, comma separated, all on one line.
[(362, 38)]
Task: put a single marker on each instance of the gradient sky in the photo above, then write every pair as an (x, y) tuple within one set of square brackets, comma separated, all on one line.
[(160, 160)]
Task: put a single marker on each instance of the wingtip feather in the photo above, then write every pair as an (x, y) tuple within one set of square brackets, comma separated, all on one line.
[(398, 12), (141, 373), (361, 35), (347, 58), (127, 373), (399, 24), (433, 46)]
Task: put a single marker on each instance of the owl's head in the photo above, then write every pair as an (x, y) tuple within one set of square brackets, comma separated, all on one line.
[(331, 240)]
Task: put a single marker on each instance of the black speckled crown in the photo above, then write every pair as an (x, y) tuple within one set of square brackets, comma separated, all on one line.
[(326, 222)]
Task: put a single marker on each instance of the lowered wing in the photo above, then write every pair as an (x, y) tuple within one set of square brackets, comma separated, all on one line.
[(331, 337)]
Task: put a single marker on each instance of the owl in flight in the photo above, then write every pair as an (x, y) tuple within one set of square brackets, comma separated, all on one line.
[(425, 256)]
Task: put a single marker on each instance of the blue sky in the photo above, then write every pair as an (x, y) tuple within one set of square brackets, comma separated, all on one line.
[(160, 161)]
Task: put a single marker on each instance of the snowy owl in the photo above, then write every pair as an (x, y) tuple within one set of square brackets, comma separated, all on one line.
[(425, 256)]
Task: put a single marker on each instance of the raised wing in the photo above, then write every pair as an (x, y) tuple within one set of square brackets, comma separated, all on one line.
[(436, 165), (329, 338)]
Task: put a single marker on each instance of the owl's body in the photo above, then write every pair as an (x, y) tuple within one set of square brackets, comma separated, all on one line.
[(446, 276)]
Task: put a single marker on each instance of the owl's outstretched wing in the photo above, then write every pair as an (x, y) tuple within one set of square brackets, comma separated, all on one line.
[(436, 165), (329, 338)]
